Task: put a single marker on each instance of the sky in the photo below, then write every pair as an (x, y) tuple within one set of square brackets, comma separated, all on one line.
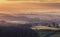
[(11, 7), (28, 6)]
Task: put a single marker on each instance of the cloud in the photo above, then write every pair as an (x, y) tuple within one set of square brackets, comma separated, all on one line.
[(18, 18), (30, 7), (13, 0), (52, 5), (31, 18)]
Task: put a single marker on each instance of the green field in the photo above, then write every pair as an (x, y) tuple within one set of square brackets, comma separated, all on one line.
[(48, 33)]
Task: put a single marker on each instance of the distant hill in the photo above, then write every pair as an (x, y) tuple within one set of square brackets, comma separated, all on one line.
[(45, 27)]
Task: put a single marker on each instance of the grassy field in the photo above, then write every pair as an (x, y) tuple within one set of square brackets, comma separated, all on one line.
[(45, 31), (48, 33), (45, 27), (36, 31)]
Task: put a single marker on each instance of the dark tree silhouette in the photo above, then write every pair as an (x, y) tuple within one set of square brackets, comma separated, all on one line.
[(57, 26), (17, 32), (54, 24)]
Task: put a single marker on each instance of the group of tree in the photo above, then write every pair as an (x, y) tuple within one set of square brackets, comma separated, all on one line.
[(54, 24), (12, 31)]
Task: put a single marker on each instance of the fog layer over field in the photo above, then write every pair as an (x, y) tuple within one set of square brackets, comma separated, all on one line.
[(39, 17)]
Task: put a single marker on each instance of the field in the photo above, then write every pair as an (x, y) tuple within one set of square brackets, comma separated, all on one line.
[(48, 33), (45, 27), (24, 30), (45, 31)]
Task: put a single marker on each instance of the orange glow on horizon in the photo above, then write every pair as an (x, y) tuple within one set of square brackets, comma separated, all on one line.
[(29, 6), (30, 1)]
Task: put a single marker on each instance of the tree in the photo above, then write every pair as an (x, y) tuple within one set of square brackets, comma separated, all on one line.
[(54, 24), (17, 32)]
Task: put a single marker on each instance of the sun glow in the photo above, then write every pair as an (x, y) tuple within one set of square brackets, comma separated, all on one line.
[(29, 1), (2, 1)]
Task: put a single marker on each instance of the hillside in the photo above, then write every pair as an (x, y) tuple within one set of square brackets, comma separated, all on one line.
[(45, 27), (48, 33)]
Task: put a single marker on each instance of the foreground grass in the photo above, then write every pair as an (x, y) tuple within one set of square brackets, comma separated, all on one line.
[(48, 33), (25, 31)]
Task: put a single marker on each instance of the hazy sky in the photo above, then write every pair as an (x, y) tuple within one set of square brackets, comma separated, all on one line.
[(11, 7), (24, 6)]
